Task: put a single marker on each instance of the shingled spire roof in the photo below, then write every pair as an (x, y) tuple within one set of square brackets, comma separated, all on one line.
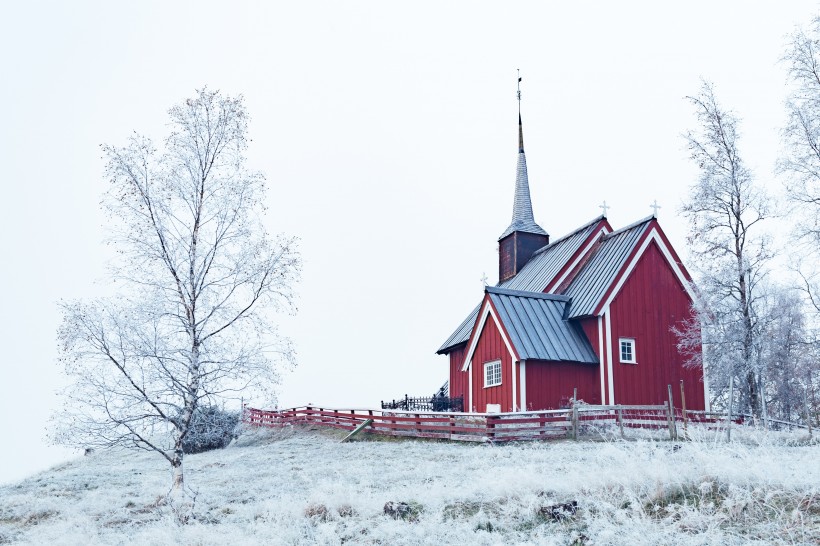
[(522, 219)]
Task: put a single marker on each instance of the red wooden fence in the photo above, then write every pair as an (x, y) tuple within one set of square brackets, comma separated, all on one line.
[(473, 427)]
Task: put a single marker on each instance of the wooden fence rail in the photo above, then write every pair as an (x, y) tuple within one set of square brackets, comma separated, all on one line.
[(473, 427)]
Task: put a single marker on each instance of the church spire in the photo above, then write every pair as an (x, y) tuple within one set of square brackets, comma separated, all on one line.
[(523, 236), (522, 218)]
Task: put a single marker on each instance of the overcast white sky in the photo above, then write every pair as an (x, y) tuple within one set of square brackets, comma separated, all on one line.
[(388, 135)]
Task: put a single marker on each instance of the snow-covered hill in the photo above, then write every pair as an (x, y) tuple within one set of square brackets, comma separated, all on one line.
[(304, 487)]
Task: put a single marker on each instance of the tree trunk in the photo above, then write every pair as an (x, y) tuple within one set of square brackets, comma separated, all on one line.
[(178, 488), (748, 338), (731, 399)]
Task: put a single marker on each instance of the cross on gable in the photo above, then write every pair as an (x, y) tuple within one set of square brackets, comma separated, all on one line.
[(655, 206), (604, 207)]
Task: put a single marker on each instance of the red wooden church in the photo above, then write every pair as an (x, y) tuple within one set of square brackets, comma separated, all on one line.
[(592, 310)]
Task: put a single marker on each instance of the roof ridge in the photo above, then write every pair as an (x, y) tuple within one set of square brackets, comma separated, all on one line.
[(525, 294), (630, 226), (570, 234)]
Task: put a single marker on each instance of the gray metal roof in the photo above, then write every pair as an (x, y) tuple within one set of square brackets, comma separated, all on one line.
[(545, 264), (462, 333), (585, 290), (598, 273), (533, 277), (537, 328), (522, 218)]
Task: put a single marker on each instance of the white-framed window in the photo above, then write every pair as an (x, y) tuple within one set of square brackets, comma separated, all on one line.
[(628, 350), (492, 373)]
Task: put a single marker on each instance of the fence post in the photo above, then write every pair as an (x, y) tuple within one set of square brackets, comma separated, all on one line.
[(575, 413), (621, 419), (671, 416), (489, 426), (683, 409), (406, 402)]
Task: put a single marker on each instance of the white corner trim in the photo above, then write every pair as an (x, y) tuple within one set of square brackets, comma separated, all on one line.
[(603, 360), (707, 401), (609, 373), (488, 310), (522, 366), (603, 231), (514, 384), (470, 386)]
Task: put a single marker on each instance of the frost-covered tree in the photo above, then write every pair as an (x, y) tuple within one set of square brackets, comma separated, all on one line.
[(800, 159), (789, 352), (729, 254), (198, 280)]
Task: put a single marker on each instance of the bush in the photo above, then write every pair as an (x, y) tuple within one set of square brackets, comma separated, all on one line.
[(211, 428)]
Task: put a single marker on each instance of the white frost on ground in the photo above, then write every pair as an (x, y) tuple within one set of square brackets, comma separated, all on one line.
[(304, 487)]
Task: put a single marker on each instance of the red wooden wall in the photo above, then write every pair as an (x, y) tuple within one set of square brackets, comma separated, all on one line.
[(650, 303), (459, 381), (550, 384), (491, 347)]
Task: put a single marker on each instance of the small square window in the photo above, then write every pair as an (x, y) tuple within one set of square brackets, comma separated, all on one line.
[(492, 373), (628, 351)]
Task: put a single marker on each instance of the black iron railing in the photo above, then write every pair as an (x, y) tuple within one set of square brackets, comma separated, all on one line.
[(437, 402)]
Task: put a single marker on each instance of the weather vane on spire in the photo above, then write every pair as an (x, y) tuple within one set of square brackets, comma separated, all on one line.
[(519, 90)]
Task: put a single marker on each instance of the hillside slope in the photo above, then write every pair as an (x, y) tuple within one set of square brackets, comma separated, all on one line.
[(304, 487)]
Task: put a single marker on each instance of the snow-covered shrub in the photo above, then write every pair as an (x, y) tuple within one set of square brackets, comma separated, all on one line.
[(408, 511), (211, 428), (317, 511)]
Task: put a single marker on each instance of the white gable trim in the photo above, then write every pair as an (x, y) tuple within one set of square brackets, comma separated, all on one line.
[(653, 236), (580, 257), (488, 310)]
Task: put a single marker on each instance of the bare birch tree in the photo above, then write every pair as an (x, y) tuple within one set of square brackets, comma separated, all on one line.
[(198, 279), (730, 253), (800, 156), (800, 159), (791, 358)]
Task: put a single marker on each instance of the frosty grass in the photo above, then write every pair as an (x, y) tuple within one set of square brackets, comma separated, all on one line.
[(300, 486)]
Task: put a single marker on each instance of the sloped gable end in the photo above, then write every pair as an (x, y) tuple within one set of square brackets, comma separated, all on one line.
[(487, 310), (533, 327), (654, 235)]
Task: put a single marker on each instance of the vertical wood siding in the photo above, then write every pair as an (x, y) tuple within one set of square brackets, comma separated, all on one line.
[(550, 384), (459, 381), (491, 347), (590, 327), (650, 303)]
